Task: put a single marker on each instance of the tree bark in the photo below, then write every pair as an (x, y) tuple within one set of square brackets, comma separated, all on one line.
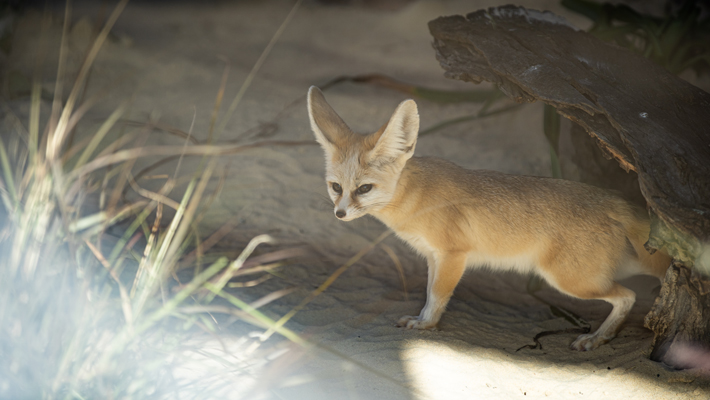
[(646, 119), (649, 120), (680, 314), (599, 169)]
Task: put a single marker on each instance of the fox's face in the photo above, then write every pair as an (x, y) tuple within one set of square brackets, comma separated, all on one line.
[(356, 187), (362, 170)]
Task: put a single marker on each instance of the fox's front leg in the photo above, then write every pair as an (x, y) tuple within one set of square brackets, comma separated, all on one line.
[(445, 272)]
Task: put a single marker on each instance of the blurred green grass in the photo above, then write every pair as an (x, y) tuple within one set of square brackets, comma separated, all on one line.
[(88, 303)]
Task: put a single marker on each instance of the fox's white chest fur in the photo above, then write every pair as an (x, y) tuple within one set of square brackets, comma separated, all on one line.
[(577, 237), (523, 263)]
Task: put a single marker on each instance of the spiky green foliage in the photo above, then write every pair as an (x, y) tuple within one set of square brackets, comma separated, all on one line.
[(91, 314)]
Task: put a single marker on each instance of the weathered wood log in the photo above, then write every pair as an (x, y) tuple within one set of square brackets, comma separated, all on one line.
[(680, 313), (597, 168), (647, 119)]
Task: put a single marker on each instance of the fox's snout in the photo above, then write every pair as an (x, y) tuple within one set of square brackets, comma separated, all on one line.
[(343, 214), (342, 203), (347, 206)]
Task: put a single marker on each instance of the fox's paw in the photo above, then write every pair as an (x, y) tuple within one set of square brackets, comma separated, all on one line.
[(411, 322), (588, 342)]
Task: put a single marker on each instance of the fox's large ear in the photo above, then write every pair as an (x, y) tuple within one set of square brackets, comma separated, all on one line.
[(399, 136), (325, 122)]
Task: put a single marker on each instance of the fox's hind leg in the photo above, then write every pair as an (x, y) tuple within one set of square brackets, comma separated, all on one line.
[(590, 275), (622, 299), (445, 272)]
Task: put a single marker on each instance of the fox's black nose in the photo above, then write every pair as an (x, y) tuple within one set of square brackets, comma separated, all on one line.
[(340, 213)]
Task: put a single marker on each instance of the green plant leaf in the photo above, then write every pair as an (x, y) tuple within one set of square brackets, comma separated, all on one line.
[(551, 127)]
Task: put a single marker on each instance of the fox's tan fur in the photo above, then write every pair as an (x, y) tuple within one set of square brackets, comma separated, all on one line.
[(579, 238)]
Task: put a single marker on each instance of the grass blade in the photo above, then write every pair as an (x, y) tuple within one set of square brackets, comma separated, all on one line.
[(466, 118), (257, 67), (100, 134), (8, 178), (275, 326), (238, 263), (551, 127), (33, 141), (57, 136), (278, 324)]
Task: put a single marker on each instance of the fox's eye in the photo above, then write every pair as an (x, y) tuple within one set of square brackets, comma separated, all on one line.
[(336, 188), (364, 189)]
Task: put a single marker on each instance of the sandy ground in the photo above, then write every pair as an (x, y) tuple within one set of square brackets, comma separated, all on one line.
[(170, 61)]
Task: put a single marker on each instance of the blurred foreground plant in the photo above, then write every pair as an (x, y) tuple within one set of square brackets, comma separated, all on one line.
[(84, 313)]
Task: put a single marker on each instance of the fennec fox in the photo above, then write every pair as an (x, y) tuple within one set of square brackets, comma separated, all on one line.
[(579, 238)]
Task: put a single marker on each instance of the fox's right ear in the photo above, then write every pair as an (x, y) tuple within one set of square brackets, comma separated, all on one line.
[(325, 122)]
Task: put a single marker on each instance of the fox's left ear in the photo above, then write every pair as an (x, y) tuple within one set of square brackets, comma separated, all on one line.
[(399, 136)]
